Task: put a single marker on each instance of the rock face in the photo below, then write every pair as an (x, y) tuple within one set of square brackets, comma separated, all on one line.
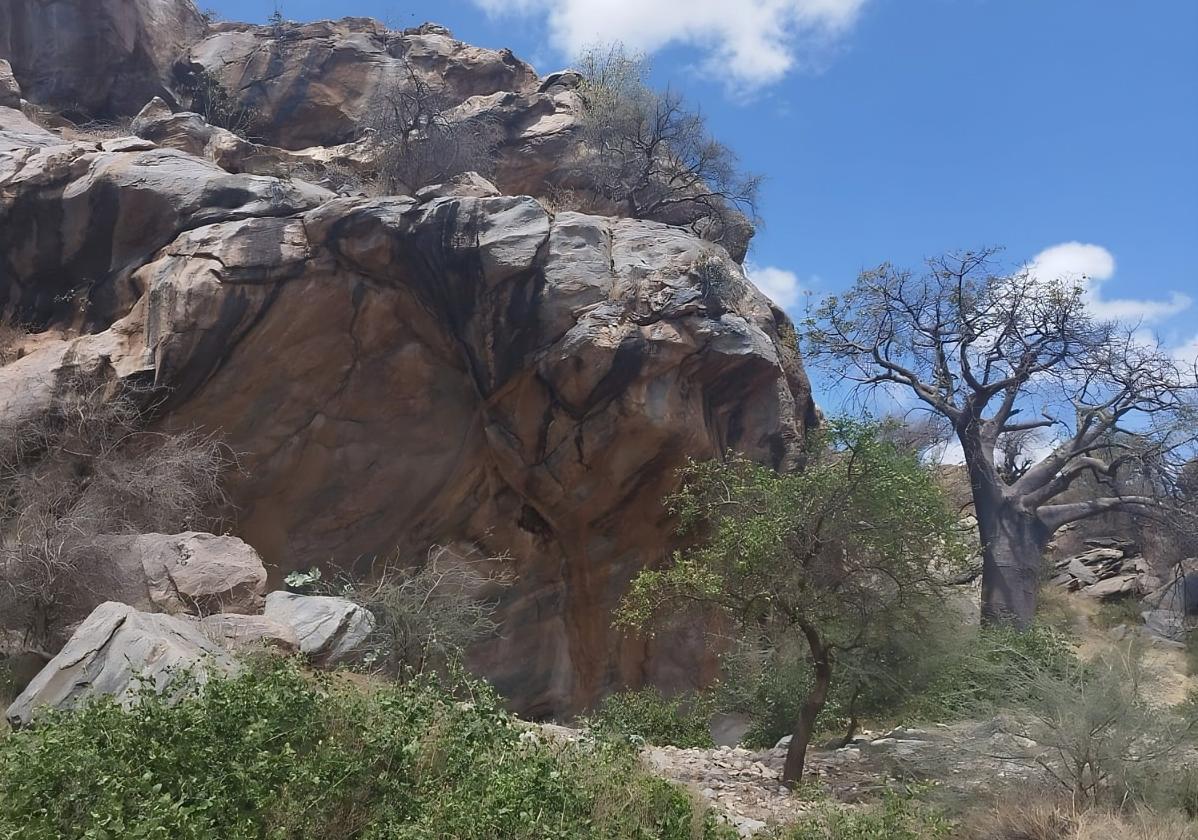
[(330, 631), (457, 367), (99, 57), (315, 84), (192, 573), (113, 653)]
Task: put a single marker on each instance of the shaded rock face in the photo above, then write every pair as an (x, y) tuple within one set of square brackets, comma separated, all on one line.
[(314, 84), (99, 58), (400, 372), (113, 653)]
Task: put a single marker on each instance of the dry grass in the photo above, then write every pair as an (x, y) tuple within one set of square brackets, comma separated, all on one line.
[(12, 341), (1037, 815)]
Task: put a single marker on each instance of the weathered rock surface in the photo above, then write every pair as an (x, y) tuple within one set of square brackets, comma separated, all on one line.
[(99, 57), (241, 633), (330, 631), (77, 219), (192, 573), (115, 652), (315, 84)]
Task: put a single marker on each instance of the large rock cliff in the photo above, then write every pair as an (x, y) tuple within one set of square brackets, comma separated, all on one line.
[(397, 372)]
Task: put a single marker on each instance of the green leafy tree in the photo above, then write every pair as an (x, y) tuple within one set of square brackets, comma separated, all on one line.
[(836, 557)]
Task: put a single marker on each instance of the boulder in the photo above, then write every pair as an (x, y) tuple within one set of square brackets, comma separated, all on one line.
[(316, 83), (331, 631), (116, 652), (1099, 556), (194, 573), (243, 633), (1079, 570), (1112, 588), (467, 184), (10, 91), (101, 58)]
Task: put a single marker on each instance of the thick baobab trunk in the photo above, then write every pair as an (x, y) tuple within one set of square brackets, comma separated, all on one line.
[(800, 739), (1013, 542)]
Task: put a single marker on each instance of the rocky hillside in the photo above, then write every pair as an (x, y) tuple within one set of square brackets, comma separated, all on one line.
[(463, 366)]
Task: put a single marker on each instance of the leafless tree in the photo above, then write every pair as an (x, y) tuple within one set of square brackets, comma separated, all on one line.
[(1000, 355), (86, 467), (652, 156), (422, 140)]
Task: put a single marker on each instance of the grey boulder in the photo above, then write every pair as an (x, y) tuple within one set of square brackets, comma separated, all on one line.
[(116, 652), (331, 631)]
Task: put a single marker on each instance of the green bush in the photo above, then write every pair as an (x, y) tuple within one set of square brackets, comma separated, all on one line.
[(647, 716), (900, 816), (274, 753), (971, 673)]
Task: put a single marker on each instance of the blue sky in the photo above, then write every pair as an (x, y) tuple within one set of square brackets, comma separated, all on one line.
[(894, 129)]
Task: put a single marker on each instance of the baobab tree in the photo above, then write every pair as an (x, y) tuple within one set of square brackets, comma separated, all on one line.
[(1000, 355)]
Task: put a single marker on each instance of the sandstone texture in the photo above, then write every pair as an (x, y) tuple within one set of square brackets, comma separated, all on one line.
[(114, 653)]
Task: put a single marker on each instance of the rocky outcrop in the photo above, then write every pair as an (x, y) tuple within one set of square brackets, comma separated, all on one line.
[(1109, 569), (96, 58), (316, 84), (117, 652), (191, 133), (190, 573), (459, 366), (77, 219), (331, 631)]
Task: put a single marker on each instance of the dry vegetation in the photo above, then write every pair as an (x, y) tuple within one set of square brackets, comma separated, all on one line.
[(86, 467)]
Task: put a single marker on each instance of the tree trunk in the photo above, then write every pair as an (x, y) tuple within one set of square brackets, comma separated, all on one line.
[(1013, 543), (800, 739)]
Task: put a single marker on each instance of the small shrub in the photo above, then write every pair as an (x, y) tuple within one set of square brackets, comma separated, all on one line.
[(1042, 815), (1096, 735), (972, 673), (428, 614), (11, 339), (900, 816), (1122, 611), (647, 716)]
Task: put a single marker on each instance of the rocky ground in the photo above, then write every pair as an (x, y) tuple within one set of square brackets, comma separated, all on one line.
[(965, 761)]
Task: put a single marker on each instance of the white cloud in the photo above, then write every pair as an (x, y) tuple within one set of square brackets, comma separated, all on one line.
[(778, 284), (1187, 353), (751, 42), (1092, 266)]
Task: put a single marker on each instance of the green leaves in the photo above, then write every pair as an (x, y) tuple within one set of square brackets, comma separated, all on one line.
[(859, 539), (280, 754)]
